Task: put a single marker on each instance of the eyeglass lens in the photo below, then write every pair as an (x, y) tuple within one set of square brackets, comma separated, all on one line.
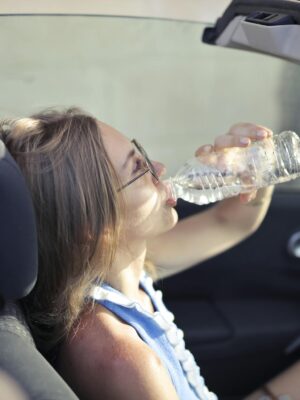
[(145, 155)]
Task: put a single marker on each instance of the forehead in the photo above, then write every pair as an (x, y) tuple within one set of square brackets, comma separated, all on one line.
[(116, 144)]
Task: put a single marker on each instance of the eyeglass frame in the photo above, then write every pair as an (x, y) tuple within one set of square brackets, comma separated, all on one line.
[(150, 167)]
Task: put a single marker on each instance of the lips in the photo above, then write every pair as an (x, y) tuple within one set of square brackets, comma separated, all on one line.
[(170, 200)]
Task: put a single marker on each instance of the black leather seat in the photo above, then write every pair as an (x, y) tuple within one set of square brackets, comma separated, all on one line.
[(19, 358)]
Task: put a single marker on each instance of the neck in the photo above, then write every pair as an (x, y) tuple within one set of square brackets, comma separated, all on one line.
[(126, 271)]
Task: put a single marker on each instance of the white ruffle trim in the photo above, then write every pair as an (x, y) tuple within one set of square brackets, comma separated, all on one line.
[(164, 320)]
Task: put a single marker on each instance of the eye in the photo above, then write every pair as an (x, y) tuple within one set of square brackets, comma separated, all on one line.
[(139, 165)]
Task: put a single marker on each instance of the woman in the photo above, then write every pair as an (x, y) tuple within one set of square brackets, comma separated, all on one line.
[(101, 211)]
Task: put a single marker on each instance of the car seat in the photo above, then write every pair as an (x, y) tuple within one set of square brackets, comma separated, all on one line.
[(19, 357)]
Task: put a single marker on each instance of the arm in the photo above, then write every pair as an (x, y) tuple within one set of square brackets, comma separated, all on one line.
[(105, 358), (211, 232), (286, 385), (138, 375), (202, 236)]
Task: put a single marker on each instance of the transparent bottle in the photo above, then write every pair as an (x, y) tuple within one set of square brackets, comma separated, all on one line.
[(226, 173)]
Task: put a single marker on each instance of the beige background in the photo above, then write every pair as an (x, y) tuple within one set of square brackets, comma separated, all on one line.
[(187, 10), (152, 79)]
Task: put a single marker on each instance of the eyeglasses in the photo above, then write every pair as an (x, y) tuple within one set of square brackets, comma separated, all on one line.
[(148, 166)]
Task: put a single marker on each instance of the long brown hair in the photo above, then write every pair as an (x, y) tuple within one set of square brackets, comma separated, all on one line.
[(73, 187)]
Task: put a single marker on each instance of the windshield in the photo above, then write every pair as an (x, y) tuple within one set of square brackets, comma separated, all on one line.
[(152, 79)]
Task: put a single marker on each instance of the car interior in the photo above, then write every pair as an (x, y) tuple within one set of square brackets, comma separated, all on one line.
[(189, 79), (19, 267)]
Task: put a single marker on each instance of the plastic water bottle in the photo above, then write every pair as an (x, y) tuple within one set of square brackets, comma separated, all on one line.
[(226, 173)]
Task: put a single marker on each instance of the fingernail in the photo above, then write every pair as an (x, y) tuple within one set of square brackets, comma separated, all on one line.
[(252, 196), (244, 140), (261, 134), (207, 148)]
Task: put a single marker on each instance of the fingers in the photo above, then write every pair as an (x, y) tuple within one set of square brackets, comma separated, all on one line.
[(239, 135), (247, 197), (228, 140), (253, 131), (205, 149)]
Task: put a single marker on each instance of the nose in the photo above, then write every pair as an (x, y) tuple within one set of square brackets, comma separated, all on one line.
[(159, 167)]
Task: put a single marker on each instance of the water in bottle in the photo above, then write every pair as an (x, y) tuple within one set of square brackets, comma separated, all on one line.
[(231, 171)]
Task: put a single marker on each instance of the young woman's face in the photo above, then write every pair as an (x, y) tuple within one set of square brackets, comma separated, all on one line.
[(149, 210)]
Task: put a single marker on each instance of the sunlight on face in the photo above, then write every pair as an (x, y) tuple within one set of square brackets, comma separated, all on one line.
[(146, 211)]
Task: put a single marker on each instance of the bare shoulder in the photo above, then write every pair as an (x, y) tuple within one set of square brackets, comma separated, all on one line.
[(104, 357)]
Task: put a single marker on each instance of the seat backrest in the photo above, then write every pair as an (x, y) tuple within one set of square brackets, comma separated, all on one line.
[(19, 358), (18, 255)]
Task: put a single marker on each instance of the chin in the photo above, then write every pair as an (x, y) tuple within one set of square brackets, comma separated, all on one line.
[(175, 216), (153, 225), (170, 219)]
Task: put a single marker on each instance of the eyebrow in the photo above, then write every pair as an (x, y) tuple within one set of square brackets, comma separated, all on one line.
[(129, 156)]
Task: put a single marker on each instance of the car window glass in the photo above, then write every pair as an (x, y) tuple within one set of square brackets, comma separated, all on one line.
[(152, 79)]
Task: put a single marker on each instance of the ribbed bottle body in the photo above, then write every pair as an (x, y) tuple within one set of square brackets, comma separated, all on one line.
[(218, 175)]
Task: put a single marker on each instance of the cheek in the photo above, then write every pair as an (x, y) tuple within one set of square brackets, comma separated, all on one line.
[(142, 208), (141, 205), (147, 215)]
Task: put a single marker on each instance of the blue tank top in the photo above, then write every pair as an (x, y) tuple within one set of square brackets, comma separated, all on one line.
[(161, 334)]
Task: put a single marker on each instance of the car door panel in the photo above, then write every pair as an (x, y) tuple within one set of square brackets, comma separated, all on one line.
[(240, 311)]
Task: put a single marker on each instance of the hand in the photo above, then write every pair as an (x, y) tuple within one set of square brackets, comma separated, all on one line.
[(239, 135)]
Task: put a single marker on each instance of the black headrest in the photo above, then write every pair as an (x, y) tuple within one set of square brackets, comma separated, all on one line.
[(18, 237)]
